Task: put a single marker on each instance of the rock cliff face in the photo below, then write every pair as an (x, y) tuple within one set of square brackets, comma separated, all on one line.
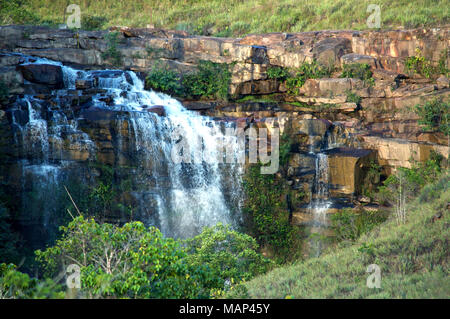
[(322, 117)]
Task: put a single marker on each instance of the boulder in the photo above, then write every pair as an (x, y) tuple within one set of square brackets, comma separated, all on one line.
[(346, 168), (47, 74), (442, 82), (352, 58), (329, 51), (157, 109)]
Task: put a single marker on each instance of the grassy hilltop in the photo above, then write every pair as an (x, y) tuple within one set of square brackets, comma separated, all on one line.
[(230, 18)]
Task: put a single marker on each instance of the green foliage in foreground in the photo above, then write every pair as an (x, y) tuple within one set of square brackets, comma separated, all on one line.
[(210, 81), (133, 261), (14, 284), (231, 256), (237, 18), (413, 258)]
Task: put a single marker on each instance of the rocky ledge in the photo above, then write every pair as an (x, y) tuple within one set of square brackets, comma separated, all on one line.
[(380, 120)]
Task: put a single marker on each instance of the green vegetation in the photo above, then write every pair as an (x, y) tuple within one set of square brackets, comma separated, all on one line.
[(91, 22), (112, 53), (231, 256), (350, 225), (17, 12), (277, 73), (407, 182), (133, 261), (353, 97), (164, 80), (237, 18), (306, 71), (418, 64), (266, 211), (9, 239), (210, 81), (358, 71), (14, 284), (412, 257), (435, 116)]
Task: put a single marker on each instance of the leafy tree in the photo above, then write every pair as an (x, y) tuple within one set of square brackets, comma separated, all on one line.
[(131, 261), (232, 256), (17, 285)]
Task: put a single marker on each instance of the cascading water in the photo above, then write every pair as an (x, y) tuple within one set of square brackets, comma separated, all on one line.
[(185, 196), (195, 196), (320, 202)]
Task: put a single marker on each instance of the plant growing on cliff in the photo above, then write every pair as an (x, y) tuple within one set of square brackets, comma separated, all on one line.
[(420, 65), (112, 53), (308, 70), (210, 81), (277, 73), (164, 80), (434, 116), (360, 71)]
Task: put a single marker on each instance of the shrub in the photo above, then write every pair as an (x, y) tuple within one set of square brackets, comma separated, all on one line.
[(232, 256), (16, 12), (266, 213), (353, 97), (210, 81), (164, 80), (17, 285), (306, 71), (420, 65), (8, 238), (434, 115), (91, 22), (277, 73), (360, 71), (350, 225)]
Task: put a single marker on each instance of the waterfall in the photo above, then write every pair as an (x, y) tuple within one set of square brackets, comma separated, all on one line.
[(320, 202), (184, 196), (195, 196)]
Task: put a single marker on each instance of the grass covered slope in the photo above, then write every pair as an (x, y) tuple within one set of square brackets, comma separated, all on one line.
[(413, 257), (233, 17)]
